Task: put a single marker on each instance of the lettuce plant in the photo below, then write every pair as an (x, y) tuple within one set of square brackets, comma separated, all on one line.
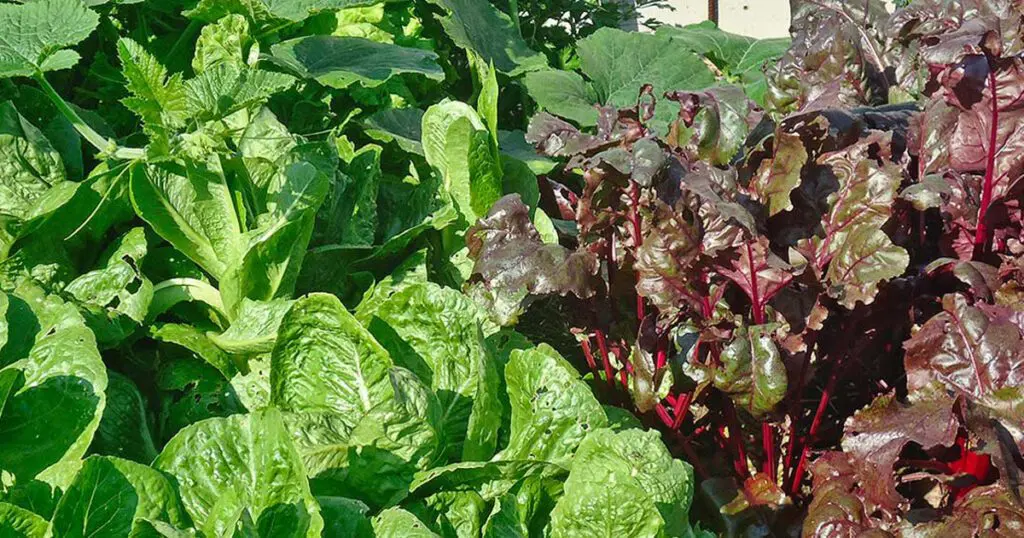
[(818, 301), (229, 298)]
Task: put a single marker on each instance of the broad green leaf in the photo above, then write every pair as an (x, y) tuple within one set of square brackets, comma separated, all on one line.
[(33, 184), (487, 101), (592, 509), (491, 478), (195, 340), (473, 176), (394, 440), (110, 495), (452, 513), (55, 405), (339, 62), (227, 88), (115, 298), (158, 99), (253, 387), (225, 466), (564, 93), (376, 458), (513, 144), (226, 41), (36, 35), (275, 249), (254, 329), (358, 210), (398, 523), (490, 34), (618, 63), (190, 390), (408, 208), (191, 206), (403, 125), (737, 56), (266, 11), (100, 204), (435, 332), (17, 522), (552, 408), (345, 517), (517, 178), (524, 511), (436, 122), (325, 361), (637, 456), (123, 429)]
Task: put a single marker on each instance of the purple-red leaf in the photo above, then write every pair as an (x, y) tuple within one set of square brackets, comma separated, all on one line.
[(759, 273), (511, 258), (976, 351)]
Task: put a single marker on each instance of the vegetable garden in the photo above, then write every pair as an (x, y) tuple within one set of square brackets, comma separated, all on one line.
[(469, 268)]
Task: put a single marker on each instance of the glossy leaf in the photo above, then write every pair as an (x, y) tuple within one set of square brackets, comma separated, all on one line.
[(242, 464), (339, 62)]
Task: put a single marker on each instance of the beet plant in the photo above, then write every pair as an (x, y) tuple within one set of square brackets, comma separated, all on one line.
[(816, 298)]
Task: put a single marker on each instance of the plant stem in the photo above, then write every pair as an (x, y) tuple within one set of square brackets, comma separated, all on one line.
[(634, 217), (981, 232), (97, 140), (602, 345), (768, 443), (826, 394), (513, 12)]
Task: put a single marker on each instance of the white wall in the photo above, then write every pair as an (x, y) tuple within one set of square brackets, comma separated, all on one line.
[(757, 18)]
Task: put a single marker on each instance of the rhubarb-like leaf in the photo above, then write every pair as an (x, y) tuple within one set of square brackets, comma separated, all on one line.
[(719, 119), (339, 62), (737, 56), (664, 264), (836, 59), (617, 64), (39, 32), (482, 28)]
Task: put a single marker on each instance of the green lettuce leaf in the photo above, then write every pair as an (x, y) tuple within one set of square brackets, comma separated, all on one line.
[(242, 467), (109, 497), (553, 410)]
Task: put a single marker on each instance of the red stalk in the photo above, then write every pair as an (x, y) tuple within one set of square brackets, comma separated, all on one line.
[(768, 442), (634, 218), (736, 437), (982, 231), (602, 345), (830, 387), (588, 353), (680, 409)]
